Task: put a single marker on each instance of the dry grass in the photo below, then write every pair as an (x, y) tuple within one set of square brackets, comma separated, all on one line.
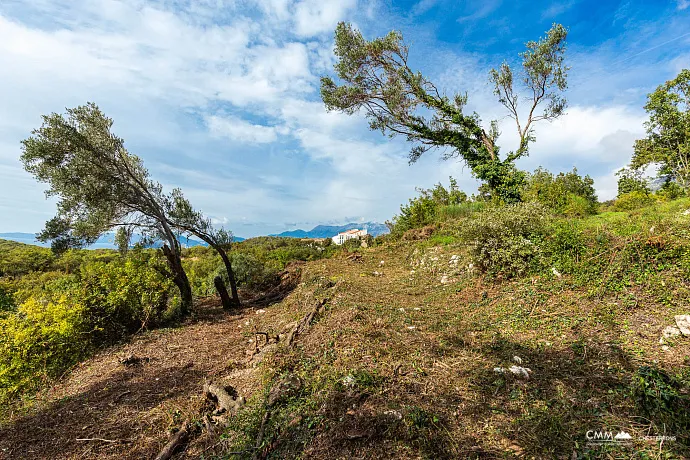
[(398, 365)]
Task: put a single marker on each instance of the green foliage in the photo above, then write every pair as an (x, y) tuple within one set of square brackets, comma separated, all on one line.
[(399, 101), (6, 301), (429, 207), (565, 245), (39, 342), (506, 240), (632, 200), (68, 316), (99, 185), (631, 180), (668, 131), (671, 191), (123, 239), (18, 259), (663, 398), (567, 193)]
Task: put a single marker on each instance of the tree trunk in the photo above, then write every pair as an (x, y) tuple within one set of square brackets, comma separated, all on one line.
[(179, 278), (222, 292), (231, 275)]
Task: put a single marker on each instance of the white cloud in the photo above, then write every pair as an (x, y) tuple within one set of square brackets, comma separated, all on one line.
[(239, 130), (422, 6), (313, 17)]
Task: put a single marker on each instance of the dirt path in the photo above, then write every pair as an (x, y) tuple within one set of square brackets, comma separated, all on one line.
[(105, 409)]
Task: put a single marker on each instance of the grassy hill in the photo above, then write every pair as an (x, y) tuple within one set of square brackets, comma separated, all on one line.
[(403, 350)]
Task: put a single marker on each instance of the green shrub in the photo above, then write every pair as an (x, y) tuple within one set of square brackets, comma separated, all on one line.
[(17, 259), (40, 342), (426, 208), (505, 240), (632, 200), (70, 316), (671, 191), (6, 300), (631, 180), (567, 193), (565, 245), (663, 398)]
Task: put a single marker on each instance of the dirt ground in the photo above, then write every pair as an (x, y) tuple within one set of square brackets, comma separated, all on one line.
[(106, 409)]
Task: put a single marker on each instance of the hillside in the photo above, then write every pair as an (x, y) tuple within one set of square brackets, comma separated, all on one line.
[(328, 231), (403, 350)]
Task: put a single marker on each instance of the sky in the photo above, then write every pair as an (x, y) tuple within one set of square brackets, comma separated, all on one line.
[(221, 97)]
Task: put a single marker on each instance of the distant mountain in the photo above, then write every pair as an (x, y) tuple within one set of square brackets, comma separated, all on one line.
[(106, 241), (328, 231)]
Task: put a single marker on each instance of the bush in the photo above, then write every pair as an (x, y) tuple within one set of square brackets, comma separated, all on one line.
[(505, 240), (567, 193), (661, 397), (72, 315), (632, 200), (426, 208), (40, 342), (631, 180), (565, 245), (671, 191)]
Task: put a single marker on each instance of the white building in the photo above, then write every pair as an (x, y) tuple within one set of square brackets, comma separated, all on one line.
[(340, 238)]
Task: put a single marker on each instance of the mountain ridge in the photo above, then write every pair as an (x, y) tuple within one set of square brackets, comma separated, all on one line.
[(329, 231)]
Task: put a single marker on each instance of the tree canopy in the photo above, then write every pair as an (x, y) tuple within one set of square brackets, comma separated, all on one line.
[(377, 78), (668, 131), (99, 186)]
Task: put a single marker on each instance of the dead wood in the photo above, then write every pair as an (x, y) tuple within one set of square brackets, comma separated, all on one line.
[(226, 403), (176, 441), (305, 322)]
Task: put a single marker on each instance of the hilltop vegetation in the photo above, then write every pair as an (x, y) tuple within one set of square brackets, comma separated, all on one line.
[(508, 323), (57, 311)]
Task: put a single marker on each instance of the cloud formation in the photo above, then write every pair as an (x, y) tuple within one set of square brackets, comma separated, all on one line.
[(220, 97)]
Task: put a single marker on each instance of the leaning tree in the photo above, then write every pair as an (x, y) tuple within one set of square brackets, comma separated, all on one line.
[(186, 219), (376, 77), (100, 186)]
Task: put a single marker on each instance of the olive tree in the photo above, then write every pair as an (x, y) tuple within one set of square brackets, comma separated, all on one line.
[(397, 100), (186, 219), (668, 131), (100, 186)]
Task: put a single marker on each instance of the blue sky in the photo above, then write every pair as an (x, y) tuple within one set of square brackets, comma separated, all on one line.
[(220, 97)]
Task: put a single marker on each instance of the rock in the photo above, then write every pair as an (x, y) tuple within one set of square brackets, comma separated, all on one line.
[(285, 388), (521, 372), (517, 359), (517, 371), (555, 272), (259, 312), (349, 381), (382, 263), (683, 323), (394, 414), (445, 279), (670, 331), (665, 348)]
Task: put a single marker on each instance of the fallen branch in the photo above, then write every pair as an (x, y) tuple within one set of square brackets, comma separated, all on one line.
[(260, 438), (101, 440), (305, 321), (179, 438)]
